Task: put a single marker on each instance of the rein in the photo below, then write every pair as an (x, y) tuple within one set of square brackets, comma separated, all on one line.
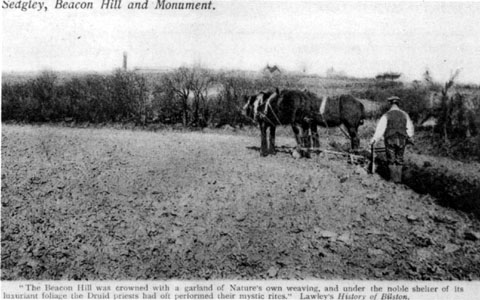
[(240, 109), (263, 115), (273, 112)]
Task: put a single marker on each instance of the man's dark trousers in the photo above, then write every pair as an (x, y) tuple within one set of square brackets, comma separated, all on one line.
[(395, 149)]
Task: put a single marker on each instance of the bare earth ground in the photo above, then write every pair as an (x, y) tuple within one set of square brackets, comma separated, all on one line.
[(112, 204)]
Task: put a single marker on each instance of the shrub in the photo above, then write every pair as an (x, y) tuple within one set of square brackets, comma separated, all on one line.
[(88, 98), (413, 99), (14, 104), (44, 90)]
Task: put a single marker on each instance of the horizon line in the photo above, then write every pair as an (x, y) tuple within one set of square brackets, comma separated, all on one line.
[(403, 77)]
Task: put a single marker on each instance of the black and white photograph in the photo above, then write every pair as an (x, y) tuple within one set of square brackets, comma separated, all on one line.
[(240, 140)]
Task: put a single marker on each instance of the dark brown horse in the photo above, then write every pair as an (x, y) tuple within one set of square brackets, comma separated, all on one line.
[(304, 111), (255, 107)]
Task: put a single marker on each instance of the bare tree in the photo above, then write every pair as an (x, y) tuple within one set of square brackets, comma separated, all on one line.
[(202, 81), (427, 77), (141, 99), (234, 86), (180, 83)]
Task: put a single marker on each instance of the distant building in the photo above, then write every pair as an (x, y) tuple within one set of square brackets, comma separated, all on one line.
[(272, 70), (332, 73), (388, 76), (152, 70)]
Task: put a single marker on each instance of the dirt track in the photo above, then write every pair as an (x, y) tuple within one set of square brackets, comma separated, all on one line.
[(111, 204)]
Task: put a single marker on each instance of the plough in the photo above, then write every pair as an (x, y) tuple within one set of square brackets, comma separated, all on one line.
[(351, 156), (320, 150)]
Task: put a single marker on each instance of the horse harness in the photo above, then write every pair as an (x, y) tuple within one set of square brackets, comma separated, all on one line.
[(263, 115), (321, 111)]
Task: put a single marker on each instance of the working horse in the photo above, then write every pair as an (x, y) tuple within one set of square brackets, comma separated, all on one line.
[(255, 106), (304, 111)]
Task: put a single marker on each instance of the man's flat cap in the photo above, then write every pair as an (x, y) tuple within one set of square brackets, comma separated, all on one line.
[(394, 99)]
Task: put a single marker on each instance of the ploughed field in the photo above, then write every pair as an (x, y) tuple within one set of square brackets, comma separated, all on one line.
[(113, 204)]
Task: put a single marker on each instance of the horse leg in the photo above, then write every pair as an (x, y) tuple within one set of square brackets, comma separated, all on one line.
[(315, 136), (298, 139), (354, 139), (296, 132), (263, 145), (271, 149), (306, 135), (305, 138)]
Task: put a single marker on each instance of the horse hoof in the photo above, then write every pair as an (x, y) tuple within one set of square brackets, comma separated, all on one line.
[(263, 154)]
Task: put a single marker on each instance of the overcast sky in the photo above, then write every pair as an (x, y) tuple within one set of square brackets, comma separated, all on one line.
[(362, 39)]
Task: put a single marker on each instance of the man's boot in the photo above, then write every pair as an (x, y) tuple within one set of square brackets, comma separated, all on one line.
[(395, 173), (391, 172), (399, 174), (316, 140)]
